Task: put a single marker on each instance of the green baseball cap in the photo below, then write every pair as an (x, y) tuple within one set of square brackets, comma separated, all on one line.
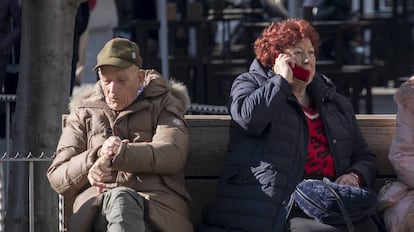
[(119, 52)]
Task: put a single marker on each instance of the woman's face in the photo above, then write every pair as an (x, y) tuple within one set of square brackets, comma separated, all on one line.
[(303, 54)]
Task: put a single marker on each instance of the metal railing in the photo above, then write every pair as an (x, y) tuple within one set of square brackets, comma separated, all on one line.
[(207, 109), (6, 158), (30, 159), (7, 100)]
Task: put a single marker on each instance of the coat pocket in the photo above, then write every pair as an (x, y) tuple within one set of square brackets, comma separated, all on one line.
[(85, 208), (391, 193), (263, 175)]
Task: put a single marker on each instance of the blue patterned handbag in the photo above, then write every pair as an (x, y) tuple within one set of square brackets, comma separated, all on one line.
[(332, 203)]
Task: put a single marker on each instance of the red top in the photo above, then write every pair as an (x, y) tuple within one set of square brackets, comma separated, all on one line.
[(319, 159)]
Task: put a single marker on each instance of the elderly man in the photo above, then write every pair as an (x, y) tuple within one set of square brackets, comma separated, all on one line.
[(121, 155)]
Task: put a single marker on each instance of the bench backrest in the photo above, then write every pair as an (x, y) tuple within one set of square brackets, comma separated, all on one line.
[(208, 146)]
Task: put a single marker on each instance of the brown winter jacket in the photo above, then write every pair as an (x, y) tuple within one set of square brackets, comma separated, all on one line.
[(151, 163)]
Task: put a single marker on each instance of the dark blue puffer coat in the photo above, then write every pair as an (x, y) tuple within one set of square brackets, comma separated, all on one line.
[(268, 148)]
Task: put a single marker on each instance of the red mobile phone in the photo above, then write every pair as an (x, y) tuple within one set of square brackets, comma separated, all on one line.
[(301, 73)]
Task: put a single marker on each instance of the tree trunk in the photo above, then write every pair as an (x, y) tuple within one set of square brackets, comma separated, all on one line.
[(42, 97)]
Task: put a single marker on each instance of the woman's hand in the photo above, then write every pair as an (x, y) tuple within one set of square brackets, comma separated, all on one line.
[(348, 179), (282, 67)]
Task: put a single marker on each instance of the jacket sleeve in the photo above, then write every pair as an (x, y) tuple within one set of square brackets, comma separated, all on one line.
[(254, 100), (68, 172), (347, 143), (401, 152), (363, 159), (165, 154)]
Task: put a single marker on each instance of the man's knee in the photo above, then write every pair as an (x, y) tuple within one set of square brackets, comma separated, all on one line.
[(123, 196), (122, 210)]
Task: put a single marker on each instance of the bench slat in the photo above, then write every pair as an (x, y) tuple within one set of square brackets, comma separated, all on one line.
[(201, 192), (379, 130), (208, 148)]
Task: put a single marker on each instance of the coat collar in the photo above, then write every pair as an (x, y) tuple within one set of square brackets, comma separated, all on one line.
[(321, 88), (154, 86)]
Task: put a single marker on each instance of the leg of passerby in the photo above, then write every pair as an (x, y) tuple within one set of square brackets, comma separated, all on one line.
[(3, 68), (81, 23)]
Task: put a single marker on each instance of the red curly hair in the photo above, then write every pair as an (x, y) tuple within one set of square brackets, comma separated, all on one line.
[(279, 36)]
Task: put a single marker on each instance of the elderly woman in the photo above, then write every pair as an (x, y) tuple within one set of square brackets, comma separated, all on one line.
[(284, 130)]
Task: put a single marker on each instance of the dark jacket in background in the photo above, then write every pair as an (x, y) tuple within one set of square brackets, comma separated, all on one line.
[(268, 148), (330, 9)]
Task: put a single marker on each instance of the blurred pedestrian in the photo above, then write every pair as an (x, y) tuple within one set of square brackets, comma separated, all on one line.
[(10, 27), (81, 25), (335, 10), (10, 21), (83, 43)]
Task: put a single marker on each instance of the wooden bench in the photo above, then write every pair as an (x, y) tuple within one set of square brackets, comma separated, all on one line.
[(208, 146)]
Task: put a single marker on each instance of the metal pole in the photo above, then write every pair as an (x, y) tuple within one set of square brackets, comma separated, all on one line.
[(61, 213), (5, 166), (31, 196), (8, 127), (192, 48), (1, 199), (293, 6), (163, 36), (8, 99), (18, 158)]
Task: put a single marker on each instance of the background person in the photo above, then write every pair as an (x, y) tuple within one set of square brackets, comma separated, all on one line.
[(284, 130), (399, 214), (10, 32), (352, 37), (81, 40), (81, 26), (329, 9), (121, 155)]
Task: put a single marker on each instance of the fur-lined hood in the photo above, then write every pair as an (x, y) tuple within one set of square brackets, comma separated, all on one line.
[(405, 95), (154, 85)]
